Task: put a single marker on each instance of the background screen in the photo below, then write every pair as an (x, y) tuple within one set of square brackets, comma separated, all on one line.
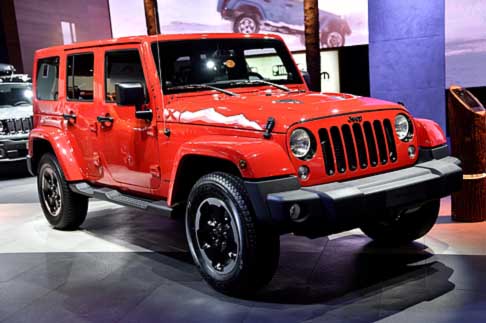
[(283, 17), (465, 43)]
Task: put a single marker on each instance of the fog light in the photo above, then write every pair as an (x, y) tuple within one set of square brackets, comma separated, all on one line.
[(411, 152), (294, 212), (2, 153), (303, 172)]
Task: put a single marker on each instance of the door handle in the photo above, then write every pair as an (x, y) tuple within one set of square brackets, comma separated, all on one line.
[(104, 119), (69, 117)]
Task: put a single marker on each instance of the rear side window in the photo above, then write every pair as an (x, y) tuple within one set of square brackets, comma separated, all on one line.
[(79, 84), (47, 79), (122, 66)]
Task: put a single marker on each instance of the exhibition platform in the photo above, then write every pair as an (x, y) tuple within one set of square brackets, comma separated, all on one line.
[(126, 265)]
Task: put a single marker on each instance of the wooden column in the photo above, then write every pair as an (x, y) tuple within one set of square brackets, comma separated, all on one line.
[(467, 128), (312, 43), (152, 17)]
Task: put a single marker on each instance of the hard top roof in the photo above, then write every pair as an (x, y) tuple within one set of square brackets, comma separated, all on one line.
[(141, 39)]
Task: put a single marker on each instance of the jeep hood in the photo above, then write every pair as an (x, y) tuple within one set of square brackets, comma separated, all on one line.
[(251, 111), (23, 111)]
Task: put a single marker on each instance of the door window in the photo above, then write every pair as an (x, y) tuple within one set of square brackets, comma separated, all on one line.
[(122, 67), (47, 79), (79, 85)]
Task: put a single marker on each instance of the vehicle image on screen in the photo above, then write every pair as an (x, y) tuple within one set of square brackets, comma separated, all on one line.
[(15, 121), (283, 16), (222, 130)]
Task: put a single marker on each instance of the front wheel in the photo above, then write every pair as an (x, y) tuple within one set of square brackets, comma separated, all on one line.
[(404, 226), (234, 253), (63, 209), (247, 24)]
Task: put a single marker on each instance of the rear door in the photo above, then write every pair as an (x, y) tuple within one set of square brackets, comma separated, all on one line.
[(128, 146)]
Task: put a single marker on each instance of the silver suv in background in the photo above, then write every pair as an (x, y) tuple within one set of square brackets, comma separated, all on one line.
[(15, 120)]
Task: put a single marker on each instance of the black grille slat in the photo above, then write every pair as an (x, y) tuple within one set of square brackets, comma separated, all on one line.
[(327, 151), (11, 126), (350, 148), (360, 145), (380, 139), (390, 139), (25, 124), (337, 142), (18, 125), (370, 140)]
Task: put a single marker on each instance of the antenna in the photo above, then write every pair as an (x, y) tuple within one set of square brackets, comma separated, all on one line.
[(159, 67)]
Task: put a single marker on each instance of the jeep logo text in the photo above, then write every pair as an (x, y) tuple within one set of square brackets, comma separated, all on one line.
[(355, 119)]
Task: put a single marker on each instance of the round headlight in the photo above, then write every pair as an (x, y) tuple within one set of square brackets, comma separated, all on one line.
[(403, 127), (300, 143)]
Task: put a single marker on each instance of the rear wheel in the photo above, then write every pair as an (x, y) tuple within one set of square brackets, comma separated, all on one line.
[(63, 209), (404, 226), (332, 39), (235, 254)]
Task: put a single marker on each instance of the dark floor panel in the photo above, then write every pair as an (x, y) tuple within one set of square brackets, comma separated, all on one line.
[(353, 284), (343, 279)]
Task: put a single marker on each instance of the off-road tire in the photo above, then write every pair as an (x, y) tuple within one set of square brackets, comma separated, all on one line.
[(257, 260), (73, 207), (402, 228), (327, 42), (252, 19)]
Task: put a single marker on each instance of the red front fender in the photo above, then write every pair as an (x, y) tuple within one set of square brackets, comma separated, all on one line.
[(429, 133), (254, 157)]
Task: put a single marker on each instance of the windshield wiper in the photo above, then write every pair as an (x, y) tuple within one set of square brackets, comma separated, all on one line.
[(201, 86), (278, 86)]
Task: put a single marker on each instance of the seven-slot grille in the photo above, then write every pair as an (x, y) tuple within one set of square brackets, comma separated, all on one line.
[(358, 145), (16, 126)]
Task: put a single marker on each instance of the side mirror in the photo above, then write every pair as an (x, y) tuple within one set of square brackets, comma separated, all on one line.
[(129, 94), (307, 79)]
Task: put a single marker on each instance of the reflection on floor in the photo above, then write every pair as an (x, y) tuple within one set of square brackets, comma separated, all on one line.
[(129, 266)]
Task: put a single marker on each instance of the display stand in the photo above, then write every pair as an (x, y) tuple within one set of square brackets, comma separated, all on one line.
[(467, 129)]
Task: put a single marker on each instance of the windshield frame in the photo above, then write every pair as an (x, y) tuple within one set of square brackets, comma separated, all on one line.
[(280, 47)]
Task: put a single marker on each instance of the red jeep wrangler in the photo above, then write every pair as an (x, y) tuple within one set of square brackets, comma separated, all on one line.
[(224, 128)]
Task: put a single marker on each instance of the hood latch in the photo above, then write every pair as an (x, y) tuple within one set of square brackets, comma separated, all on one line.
[(269, 128)]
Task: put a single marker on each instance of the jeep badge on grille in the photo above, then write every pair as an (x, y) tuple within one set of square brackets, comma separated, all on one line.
[(357, 119)]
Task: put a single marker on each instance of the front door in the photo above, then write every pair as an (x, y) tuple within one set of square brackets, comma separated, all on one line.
[(80, 109), (128, 146)]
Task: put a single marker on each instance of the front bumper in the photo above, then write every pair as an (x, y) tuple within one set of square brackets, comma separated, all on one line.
[(13, 148), (340, 206)]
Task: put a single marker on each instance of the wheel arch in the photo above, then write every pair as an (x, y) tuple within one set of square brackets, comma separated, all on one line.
[(192, 167), (330, 23), (56, 143), (235, 155), (251, 8)]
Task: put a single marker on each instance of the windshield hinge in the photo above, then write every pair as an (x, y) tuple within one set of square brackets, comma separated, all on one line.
[(269, 128)]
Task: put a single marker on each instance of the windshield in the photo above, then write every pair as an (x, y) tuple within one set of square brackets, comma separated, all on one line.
[(224, 63), (13, 95)]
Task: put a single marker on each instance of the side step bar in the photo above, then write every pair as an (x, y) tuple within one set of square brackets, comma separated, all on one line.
[(111, 195)]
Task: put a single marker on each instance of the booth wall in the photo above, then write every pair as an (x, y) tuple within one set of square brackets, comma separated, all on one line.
[(407, 55)]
